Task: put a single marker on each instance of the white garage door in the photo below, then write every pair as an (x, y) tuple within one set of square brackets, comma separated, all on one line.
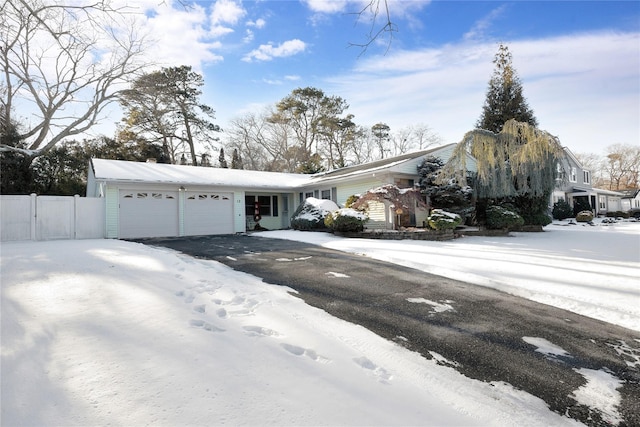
[(208, 213), (148, 213)]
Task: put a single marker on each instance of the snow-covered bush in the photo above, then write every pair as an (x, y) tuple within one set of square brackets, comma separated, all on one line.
[(499, 217), (311, 213), (346, 219), (562, 210), (584, 216), (443, 220)]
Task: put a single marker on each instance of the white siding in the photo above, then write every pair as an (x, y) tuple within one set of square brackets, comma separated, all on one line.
[(345, 190), (378, 216)]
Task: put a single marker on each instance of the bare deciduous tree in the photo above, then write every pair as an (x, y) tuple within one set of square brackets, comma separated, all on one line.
[(62, 64)]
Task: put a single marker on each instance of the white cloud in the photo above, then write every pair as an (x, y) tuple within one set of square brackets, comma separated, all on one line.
[(583, 88), (223, 14), (267, 52), (249, 36), (292, 78), (480, 28), (194, 46), (258, 23), (324, 6)]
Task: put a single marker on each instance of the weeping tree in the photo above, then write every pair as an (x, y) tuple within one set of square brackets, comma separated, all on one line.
[(515, 167)]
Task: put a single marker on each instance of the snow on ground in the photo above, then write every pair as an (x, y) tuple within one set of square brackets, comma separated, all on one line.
[(590, 270), (106, 332)]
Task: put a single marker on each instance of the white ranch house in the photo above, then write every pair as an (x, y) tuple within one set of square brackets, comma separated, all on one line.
[(161, 200)]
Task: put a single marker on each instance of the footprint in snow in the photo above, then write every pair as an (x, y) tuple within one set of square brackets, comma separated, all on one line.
[(381, 373), (197, 323), (260, 331), (200, 308), (300, 351)]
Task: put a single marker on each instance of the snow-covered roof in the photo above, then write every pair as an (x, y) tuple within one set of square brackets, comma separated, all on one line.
[(125, 171), (375, 165)]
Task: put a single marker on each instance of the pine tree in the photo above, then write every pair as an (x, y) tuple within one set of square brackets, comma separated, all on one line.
[(222, 159), (504, 96), (236, 160)]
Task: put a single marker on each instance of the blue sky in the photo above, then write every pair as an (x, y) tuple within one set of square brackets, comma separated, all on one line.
[(578, 61)]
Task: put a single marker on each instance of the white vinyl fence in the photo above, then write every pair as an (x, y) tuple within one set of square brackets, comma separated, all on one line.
[(51, 218)]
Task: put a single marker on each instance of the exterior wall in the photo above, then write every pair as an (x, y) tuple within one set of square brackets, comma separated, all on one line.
[(344, 190), (378, 216), (51, 217)]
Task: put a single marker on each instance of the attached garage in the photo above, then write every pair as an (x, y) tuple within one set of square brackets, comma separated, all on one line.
[(146, 213), (208, 213), (162, 200)]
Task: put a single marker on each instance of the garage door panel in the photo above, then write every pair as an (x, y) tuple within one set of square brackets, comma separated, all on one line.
[(208, 213), (148, 214)]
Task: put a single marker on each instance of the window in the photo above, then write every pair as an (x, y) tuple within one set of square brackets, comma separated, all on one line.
[(308, 194), (586, 176), (274, 205), (404, 183), (574, 175), (326, 195), (265, 204), (602, 202)]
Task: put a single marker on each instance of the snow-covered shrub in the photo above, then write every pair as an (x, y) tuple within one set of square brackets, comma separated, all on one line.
[(562, 210), (584, 216), (443, 220), (346, 219), (311, 213), (499, 217)]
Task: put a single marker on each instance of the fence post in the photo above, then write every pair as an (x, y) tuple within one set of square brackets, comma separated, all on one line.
[(76, 199), (33, 215)]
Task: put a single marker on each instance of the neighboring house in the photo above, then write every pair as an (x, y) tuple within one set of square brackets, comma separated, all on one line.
[(161, 200), (631, 202), (574, 183)]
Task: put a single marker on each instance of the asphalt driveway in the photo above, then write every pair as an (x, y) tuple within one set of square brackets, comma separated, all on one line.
[(477, 331)]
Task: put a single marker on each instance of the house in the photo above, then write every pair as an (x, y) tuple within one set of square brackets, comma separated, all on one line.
[(161, 200), (631, 202), (574, 183)]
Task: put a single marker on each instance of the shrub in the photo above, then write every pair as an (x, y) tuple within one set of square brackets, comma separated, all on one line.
[(345, 219), (499, 217), (581, 204), (618, 214), (562, 210), (584, 216), (311, 213), (351, 200), (539, 219), (443, 220)]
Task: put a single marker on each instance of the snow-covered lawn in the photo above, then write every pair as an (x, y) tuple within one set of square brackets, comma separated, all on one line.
[(106, 332)]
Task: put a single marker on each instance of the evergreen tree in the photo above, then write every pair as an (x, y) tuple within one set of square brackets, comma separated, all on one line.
[(222, 159), (448, 195), (504, 96), (236, 160)]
